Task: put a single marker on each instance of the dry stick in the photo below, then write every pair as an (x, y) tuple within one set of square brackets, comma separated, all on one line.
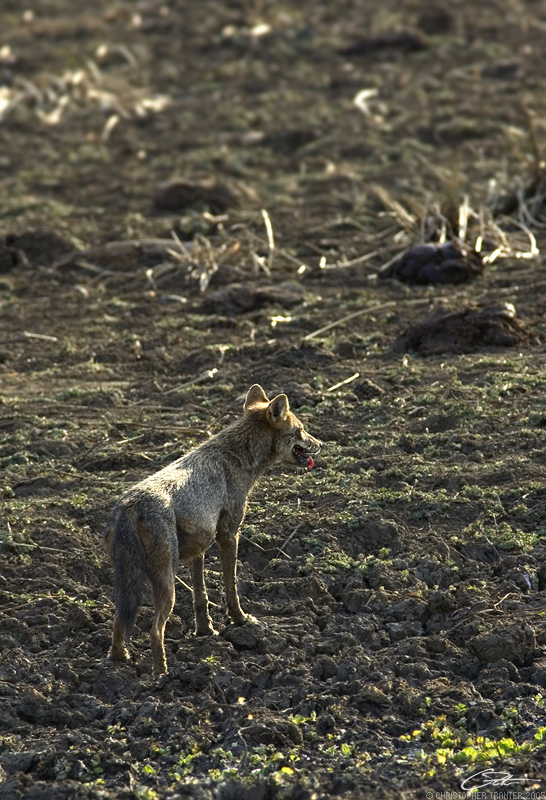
[(251, 542), (183, 248), (346, 318), (353, 261), (30, 335), (87, 478), (209, 373), (503, 599), (270, 238), (384, 267), (464, 211), (259, 261), (344, 382), (119, 249), (185, 585), (281, 548), (285, 254), (90, 450), (534, 251), (41, 546), (21, 337), (163, 428), (369, 310), (405, 219)]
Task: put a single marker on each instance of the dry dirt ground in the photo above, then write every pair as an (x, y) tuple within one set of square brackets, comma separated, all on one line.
[(400, 584)]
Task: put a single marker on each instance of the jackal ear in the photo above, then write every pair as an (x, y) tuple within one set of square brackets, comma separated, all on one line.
[(255, 396), (278, 409)]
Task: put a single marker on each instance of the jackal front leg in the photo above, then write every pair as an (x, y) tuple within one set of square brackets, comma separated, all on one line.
[(203, 622), (228, 555)]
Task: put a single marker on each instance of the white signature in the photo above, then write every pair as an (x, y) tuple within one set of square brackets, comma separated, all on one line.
[(489, 777)]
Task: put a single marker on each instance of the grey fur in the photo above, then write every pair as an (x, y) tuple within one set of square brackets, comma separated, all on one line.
[(179, 511)]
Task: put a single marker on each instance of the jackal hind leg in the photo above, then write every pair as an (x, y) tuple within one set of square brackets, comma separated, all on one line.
[(203, 621), (118, 651), (163, 594), (228, 557)]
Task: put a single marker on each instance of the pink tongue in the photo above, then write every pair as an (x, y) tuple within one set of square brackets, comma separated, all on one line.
[(310, 463)]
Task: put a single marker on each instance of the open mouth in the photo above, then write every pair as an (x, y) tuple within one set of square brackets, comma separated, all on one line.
[(303, 456)]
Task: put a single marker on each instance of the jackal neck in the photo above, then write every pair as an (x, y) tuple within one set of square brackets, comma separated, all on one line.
[(249, 443)]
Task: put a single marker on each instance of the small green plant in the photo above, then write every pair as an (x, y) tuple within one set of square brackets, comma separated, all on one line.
[(460, 710), (426, 704), (144, 793), (540, 736), (184, 765), (299, 719), (454, 745), (14, 542), (501, 534), (210, 659)]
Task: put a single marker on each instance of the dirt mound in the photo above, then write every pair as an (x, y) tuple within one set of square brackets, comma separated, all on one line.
[(36, 247), (466, 330), (515, 643), (435, 263), (179, 195), (238, 298)]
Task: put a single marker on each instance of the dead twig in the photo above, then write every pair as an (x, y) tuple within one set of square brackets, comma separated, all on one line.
[(24, 335), (11, 543), (253, 543), (204, 376), (186, 586), (353, 261), (348, 317), (403, 217), (281, 548), (362, 312), (343, 383), (121, 251), (261, 262), (270, 239)]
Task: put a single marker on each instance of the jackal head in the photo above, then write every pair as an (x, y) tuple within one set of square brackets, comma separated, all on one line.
[(291, 442)]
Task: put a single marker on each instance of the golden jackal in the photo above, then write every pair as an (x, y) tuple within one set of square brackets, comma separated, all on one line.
[(179, 511)]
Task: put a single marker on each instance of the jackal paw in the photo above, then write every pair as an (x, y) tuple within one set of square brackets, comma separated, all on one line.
[(247, 619), (161, 673), (205, 630), (119, 653)]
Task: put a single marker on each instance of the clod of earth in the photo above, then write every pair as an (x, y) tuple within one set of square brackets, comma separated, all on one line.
[(33, 247), (464, 331), (435, 21), (435, 263), (406, 41), (302, 394), (288, 141), (515, 643), (177, 195), (240, 297), (366, 389)]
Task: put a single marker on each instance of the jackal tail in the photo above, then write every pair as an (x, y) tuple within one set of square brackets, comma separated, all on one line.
[(129, 573)]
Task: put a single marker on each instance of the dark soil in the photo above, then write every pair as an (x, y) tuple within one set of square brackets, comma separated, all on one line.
[(466, 330), (197, 196)]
